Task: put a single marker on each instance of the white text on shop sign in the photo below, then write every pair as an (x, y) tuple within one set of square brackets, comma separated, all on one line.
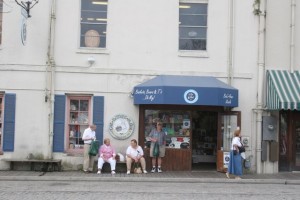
[(149, 94), (228, 98)]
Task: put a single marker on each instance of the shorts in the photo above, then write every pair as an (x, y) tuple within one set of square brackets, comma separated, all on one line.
[(162, 150)]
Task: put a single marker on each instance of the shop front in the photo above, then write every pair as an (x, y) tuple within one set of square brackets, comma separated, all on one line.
[(283, 99), (196, 117)]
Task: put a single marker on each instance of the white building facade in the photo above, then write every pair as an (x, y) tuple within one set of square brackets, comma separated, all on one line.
[(77, 62)]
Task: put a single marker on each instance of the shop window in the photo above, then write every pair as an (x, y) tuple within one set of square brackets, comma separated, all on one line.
[(192, 25), (93, 23), (72, 115), (1, 13), (78, 119), (176, 125)]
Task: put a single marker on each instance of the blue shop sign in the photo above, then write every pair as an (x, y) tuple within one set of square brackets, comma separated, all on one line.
[(186, 90)]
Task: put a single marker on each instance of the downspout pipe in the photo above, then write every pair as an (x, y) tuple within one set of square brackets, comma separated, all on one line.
[(230, 42), (292, 35), (260, 81), (51, 65)]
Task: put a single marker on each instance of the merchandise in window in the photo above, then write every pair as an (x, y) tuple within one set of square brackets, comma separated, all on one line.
[(192, 26), (93, 23), (176, 125), (1, 120), (78, 119)]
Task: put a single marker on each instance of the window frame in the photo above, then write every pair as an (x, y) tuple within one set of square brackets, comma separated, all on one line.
[(86, 49), (197, 52), (68, 120)]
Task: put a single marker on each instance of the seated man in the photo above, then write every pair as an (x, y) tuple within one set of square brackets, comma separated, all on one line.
[(135, 153)]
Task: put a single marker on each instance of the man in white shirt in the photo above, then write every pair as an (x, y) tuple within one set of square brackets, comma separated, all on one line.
[(88, 135), (135, 153)]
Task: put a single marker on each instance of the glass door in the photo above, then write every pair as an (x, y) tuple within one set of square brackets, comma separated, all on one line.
[(228, 123)]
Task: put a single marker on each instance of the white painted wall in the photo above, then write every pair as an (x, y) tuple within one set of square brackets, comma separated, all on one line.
[(142, 42)]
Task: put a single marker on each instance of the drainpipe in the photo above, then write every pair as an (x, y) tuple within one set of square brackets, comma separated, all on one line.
[(51, 66), (292, 29), (230, 42), (260, 80)]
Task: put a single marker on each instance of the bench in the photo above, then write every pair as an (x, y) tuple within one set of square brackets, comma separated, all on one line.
[(47, 165), (120, 166)]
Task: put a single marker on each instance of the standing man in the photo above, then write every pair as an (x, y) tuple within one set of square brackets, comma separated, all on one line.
[(157, 135), (88, 135)]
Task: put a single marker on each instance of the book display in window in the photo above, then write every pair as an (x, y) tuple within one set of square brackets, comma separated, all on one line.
[(176, 126)]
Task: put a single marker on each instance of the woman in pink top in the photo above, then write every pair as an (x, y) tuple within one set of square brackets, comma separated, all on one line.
[(107, 154)]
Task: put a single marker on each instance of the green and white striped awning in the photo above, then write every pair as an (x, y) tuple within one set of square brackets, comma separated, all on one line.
[(283, 90)]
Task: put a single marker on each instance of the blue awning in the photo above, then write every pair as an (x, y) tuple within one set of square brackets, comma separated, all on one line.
[(186, 90)]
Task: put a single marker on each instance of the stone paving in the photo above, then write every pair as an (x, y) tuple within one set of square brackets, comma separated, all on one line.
[(181, 175)]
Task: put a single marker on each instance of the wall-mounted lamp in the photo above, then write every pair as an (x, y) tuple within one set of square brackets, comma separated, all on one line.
[(91, 60), (27, 5)]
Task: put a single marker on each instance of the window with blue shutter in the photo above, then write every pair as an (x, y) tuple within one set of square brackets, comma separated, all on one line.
[(59, 123), (9, 122), (98, 116)]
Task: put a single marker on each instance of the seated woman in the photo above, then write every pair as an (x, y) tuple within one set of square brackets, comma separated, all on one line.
[(107, 154), (135, 153)]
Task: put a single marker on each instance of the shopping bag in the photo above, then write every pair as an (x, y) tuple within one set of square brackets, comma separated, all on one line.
[(137, 168), (156, 150), (94, 148)]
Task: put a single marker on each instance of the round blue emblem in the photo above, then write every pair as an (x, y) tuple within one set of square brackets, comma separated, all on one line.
[(190, 96)]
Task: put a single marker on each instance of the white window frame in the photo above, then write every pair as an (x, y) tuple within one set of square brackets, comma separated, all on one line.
[(69, 123), (193, 53), (91, 50), (1, 121)]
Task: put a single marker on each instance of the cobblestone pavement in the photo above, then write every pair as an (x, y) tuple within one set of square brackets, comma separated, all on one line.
[(165, 175), (31, 190)]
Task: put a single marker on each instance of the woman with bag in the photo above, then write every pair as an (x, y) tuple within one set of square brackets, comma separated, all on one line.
[(158, 146), (235, 162)]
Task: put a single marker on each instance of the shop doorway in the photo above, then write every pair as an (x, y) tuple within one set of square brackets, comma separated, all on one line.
[(204, 140), (297, 143), (289, 141)]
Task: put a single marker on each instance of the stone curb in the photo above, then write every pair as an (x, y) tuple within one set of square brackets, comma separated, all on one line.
[(150, 179)]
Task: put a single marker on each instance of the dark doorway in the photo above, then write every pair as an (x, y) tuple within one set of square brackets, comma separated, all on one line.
[(204, 140)]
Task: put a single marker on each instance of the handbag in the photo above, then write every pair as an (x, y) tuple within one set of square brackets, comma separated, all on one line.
[(137, 168), (156, 150), (94, 148), (242, 149)]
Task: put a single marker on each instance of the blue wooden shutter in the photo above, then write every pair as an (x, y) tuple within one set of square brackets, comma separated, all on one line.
[(9, 122), (98, 115), (59, 123)]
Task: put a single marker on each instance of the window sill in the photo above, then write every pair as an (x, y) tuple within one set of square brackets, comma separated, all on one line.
[(197, 54), (92, 51), (74, 152)]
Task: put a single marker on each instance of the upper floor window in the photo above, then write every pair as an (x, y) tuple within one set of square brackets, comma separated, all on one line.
[(93, 23), (1, 13), (192, 26)]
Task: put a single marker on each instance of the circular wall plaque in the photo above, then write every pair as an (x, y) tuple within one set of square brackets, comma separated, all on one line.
[(121, 127)]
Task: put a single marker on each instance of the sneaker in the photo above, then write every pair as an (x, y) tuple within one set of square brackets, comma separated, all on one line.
[(159, 170), (145, 172), (128, 172), (99, 172), (153, 170), (227, 175), (113, 172)]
